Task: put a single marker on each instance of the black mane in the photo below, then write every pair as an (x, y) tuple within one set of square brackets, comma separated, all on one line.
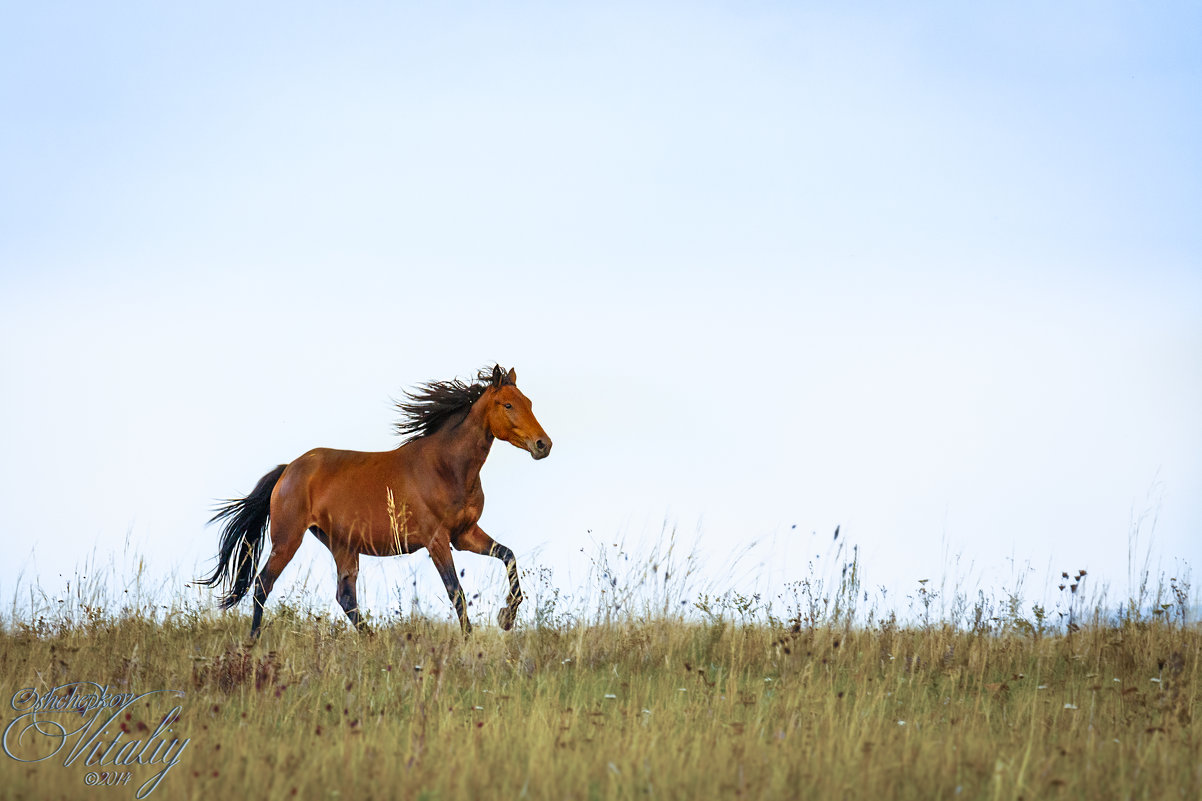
[(433, 404)]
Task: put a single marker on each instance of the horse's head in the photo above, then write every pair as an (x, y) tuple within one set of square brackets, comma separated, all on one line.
[(510, 417)]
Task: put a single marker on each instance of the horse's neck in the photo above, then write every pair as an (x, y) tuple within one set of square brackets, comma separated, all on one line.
[(465, 446)]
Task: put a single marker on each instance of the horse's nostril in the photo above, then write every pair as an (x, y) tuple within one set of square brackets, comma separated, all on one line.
[(542, 446)]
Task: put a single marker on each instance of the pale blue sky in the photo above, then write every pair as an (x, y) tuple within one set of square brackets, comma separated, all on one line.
[(933, 273)]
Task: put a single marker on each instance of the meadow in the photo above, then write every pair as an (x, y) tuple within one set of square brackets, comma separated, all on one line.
[(731, 698)]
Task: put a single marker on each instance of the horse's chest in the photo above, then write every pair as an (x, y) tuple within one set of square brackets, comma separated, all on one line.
[(463, 515)]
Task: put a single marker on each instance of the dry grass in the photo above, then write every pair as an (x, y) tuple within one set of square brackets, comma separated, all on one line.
[(648, 708)]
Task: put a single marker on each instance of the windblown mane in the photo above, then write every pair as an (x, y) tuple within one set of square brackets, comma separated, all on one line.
[(433, 404)]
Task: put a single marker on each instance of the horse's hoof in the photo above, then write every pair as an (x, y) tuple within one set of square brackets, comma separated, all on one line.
[(506, 617)]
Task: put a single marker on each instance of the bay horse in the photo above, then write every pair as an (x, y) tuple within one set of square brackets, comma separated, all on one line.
[(424, 494)]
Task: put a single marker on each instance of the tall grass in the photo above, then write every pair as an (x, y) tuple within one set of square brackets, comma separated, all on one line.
[(617, 689)]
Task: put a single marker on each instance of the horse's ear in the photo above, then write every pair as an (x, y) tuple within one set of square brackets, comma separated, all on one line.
[(497, 376), (512, 378)]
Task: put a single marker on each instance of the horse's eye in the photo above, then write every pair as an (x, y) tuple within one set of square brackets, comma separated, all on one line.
[(509, 406)]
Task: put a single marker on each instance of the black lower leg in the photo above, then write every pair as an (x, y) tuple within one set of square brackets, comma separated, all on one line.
[(508, 613), (348, 601), (511, 570), (263, 585), (450, 580)]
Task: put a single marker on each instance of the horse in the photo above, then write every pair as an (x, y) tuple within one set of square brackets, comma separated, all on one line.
[(423, 494)]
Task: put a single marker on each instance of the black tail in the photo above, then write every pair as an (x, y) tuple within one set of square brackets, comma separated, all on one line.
[(242, 538)]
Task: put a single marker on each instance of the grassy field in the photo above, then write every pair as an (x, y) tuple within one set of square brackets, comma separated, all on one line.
[(637, 708)]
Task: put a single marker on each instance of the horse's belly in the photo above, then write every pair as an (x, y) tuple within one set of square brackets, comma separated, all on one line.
[(380, 525)]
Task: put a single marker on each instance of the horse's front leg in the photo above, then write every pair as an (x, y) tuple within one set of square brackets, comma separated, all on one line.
[(440, 552), (475, 540)]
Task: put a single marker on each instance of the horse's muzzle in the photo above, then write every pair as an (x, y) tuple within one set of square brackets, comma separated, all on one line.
[(540, 448)]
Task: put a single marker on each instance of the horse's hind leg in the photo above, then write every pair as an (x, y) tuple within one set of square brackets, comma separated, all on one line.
[(284, 542), (348, 573), (475, 540)]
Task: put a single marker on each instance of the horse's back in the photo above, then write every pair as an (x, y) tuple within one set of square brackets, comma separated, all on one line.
[(334, 460), (313, 477)]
